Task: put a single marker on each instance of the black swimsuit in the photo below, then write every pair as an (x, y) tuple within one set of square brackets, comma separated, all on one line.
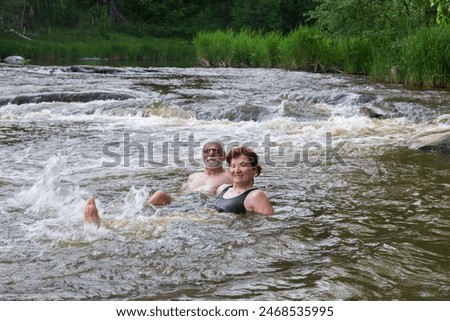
[(233, 204)]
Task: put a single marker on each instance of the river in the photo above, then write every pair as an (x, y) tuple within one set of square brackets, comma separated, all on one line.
[(360, 212)]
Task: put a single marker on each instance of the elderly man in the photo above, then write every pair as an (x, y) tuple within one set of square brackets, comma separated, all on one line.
[(207, 181)]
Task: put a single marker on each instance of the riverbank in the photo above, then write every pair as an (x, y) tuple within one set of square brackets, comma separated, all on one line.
[(421, 59), (66, 46)]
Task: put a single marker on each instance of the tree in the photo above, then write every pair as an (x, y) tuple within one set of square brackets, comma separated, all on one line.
[(443, 11), (293, 13), (115, 17), (16, 14), (261, 15), (371, 17)]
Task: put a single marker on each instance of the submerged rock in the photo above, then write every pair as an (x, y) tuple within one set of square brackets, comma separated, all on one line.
[(65, 97), (106, 69), (373, 112), (204, 63), (245, 112), (435, 142), (95, 69), (93, 59), (380, 110)]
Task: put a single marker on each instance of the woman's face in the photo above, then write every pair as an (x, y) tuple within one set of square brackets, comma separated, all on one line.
[(241, 170)]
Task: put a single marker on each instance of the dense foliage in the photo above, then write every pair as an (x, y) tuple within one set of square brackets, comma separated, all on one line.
[(392, 18), (157, 18), (185, 18)]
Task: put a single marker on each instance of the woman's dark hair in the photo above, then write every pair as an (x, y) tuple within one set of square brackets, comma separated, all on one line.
[(235, 152)]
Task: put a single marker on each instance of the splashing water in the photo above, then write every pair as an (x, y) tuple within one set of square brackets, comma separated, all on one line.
[(49, 197)]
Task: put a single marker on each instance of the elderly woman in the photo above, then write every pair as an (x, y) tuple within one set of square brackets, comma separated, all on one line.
[(242, 197)]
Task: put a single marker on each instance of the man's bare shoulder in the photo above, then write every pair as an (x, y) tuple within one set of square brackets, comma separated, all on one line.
[(196, 176), (226, 178), (207, 182)]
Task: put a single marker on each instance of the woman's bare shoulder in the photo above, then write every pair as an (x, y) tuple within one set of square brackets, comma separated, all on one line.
[(221, 188)]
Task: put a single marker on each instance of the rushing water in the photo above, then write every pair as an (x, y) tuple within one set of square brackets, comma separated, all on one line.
[(361, 213)]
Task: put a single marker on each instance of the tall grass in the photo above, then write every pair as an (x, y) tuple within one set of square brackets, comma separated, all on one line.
[(422, 58), (308, 49), (303, 49), (384, 59), (214, 47), (357, 55), (69, 47), (245, 48), (425, 57), (272, 42)]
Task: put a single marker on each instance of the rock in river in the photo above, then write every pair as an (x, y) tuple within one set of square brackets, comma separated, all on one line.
[(435, 142), (15, 60)]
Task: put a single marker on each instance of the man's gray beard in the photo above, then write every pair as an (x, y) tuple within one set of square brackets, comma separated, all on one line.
[(213, 163)]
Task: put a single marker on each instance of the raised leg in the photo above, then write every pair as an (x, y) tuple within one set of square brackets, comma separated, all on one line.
[(91, 213)]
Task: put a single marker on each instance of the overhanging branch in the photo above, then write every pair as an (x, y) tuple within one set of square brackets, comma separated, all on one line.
[(20, 35)]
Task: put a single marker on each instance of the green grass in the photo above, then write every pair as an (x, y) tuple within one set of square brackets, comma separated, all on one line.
[(384, 58), (422, 58), (69, 46), (214, 47), (425, 58), (245, 48), (303, 49)]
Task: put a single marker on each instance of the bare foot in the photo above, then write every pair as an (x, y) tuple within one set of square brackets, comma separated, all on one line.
[(160, 198), (91, 213)]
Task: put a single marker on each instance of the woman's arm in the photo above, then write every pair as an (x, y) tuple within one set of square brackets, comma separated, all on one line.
[(258, 202)]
